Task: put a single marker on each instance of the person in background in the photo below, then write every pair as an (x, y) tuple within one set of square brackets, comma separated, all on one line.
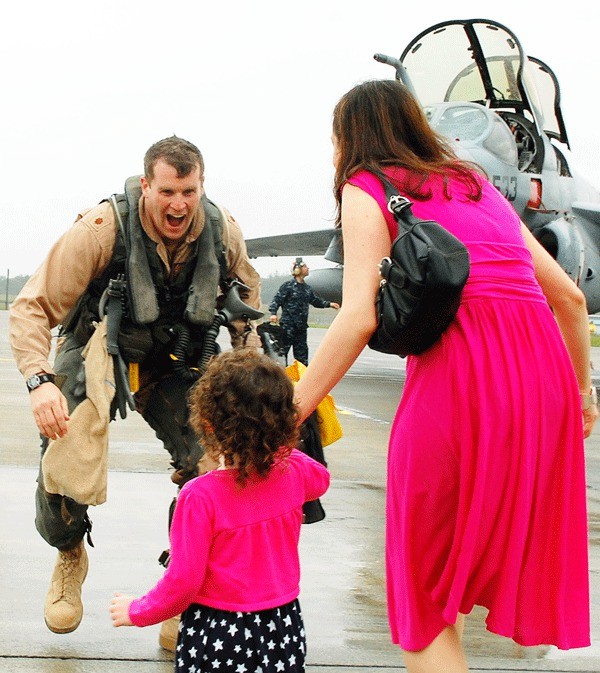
[(234, 570), (174, 252), (486, 490), (294, 297)]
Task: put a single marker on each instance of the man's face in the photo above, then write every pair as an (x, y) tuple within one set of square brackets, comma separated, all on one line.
[(171, 202)]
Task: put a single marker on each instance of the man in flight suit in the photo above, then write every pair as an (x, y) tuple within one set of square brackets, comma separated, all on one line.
[(294, 298), (175, 250)]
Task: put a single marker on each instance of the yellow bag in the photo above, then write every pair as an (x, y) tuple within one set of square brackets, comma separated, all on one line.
[(329, 425)]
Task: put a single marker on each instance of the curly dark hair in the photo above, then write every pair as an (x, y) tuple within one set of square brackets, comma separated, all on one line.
[(243, 409)]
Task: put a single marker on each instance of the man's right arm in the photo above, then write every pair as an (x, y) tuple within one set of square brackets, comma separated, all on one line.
[(80, 255), (76, 258)]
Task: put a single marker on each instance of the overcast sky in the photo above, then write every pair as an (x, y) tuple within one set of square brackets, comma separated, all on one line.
[(89, 86)]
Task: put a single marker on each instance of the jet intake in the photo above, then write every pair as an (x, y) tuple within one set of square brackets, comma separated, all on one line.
[(327, 283), (562, 240)]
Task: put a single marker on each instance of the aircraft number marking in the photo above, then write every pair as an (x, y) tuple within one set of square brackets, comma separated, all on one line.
[(506, 185)]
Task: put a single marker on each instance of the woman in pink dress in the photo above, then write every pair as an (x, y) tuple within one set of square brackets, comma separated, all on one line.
[(486, 500)]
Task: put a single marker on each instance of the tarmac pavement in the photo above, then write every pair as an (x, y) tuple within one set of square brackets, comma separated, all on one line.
[(342, 590)]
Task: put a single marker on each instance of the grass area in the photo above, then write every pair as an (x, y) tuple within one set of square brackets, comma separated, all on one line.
[(595, 339)]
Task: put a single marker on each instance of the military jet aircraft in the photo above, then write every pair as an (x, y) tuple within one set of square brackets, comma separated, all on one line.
[(501, 110)]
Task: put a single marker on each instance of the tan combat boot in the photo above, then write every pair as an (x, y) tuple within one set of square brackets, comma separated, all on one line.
[(169, 631), (63, 610)]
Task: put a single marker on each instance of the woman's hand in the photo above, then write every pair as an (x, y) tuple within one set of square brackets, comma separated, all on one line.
[(119, 609)]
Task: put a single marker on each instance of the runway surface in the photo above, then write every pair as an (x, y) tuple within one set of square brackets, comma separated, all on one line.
[(343, 594)]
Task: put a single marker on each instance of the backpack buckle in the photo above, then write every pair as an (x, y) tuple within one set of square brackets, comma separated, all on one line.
[(398, 203)]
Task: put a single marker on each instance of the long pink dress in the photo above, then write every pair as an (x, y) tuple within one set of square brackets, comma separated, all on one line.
[(486, 494)]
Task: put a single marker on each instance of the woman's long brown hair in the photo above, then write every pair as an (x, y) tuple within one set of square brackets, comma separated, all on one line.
[(380, 123)]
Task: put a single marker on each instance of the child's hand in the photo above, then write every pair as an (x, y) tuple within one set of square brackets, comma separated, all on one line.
[(119, 609)]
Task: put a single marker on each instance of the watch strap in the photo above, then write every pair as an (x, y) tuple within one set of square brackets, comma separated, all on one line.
[(36, 380)]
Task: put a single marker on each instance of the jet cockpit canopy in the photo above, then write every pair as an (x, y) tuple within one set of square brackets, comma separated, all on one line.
[(481, 61)]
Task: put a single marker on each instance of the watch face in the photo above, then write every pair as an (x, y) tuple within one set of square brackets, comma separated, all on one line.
[(33, 382), (36, 380)]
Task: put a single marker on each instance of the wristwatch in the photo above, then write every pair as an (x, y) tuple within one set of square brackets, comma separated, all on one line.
[(36, 380), (588, 399)]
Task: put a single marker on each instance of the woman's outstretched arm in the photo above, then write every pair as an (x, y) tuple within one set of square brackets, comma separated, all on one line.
[(366, 241)]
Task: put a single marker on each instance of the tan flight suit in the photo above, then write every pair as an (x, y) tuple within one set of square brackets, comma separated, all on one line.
[(82, 254)]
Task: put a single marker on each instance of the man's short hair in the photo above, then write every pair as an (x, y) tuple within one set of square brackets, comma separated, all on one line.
[(183, 155)]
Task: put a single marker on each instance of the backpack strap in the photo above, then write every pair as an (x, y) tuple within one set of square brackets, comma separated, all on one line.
[(398, 205)]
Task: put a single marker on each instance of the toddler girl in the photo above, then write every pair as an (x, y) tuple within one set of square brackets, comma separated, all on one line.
[(234, 568)]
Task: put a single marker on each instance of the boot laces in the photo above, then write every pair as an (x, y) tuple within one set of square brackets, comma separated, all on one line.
[(69, 563)]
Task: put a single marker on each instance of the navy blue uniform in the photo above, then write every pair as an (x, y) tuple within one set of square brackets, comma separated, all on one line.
[(294, 299)]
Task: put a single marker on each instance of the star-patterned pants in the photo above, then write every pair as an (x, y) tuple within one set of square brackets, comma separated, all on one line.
[(267, 641)]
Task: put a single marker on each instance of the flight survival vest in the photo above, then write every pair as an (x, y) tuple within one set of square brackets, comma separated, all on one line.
[(143, 268), (152, 304)]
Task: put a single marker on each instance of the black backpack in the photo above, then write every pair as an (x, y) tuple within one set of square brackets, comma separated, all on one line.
[(421, 281)]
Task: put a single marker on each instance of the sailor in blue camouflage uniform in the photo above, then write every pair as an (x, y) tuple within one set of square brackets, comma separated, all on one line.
[(294, 298)]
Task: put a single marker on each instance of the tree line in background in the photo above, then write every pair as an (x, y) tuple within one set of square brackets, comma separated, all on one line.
[(8, 291)]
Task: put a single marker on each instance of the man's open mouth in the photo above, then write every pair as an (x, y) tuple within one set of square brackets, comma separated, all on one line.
[(175, 220)]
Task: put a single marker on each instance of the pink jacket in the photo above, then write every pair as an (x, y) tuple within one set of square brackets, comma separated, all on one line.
[(235, 548)]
